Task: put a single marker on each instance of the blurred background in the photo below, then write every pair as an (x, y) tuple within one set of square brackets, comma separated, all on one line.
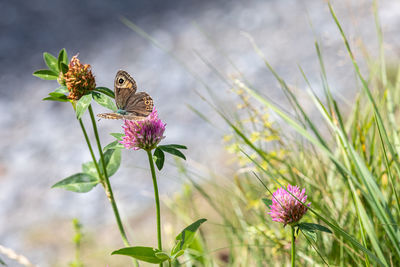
[(41, 142)]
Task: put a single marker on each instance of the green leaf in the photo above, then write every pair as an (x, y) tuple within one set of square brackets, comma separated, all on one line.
[(176, 146), (46, 74), (57, 97), (171, 150), (159, 158), (314, 227), (113, 145), (62, 58), (112, 158), (196, 252), (267, 202), (146, 254), (106, 91), (64, 67), (162, 256), (62, 89), (2, 262), (79, 182), (55, 94), (186, 237), (89, 168), (82, 105), (51, 61), (178, 254), (117, 136), (309, 234), (104, 101)]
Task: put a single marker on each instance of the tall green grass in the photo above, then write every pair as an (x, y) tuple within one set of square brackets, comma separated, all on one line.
[(350, 171), (348, 161)]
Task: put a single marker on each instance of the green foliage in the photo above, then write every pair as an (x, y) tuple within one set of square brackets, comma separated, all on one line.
[(172, 149), (347, 159), (159, 158), (46, 74), (77, 242), (105, 91), (82, 105), (267, 202), (186, 237), (104, 101), (117, 136), (55, 96), (62, 89), (146, 254), (62, 59), (51, 62), (79, 182), (112, 158), (113, 145), (153, 255)]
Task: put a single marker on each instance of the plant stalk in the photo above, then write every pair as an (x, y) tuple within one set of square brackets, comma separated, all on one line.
[(157, 199), (107, 185), (293, 249)]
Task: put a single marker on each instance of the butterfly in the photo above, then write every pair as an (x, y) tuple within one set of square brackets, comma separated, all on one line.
[(131, 105)]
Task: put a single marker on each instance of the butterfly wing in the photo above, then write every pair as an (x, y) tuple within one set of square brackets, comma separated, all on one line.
[(124, 87), (117, 116), (140, 104), (111, 116), (137, 106)]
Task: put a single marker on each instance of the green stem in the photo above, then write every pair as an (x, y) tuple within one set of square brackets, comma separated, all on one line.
[(90, 147), (153, 175), (106, 183), (293, 250)]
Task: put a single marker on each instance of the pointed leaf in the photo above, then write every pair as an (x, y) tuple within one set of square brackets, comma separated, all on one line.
[(314, 227), (176, 146), (89, 168), (62, 58), (64, 67), (57, 97), (2, 262), (185, 238), (117, 136), (172, 151), (51, 61), (105, 91), (62, 89), (146, 254), (104, 101), (178, 254), (267, 202), (56, 94), (46, 74), (82, 105), (159, 158), (162, 256), (309, 234), (113, 145), (112, 158), (79, 182)]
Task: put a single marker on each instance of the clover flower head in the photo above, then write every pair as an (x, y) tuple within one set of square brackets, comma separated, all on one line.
[(285, 208), (144, 134), (79, 79)]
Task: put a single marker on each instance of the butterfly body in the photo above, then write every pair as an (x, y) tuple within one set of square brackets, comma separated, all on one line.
[(131, 105), (122, 112)]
